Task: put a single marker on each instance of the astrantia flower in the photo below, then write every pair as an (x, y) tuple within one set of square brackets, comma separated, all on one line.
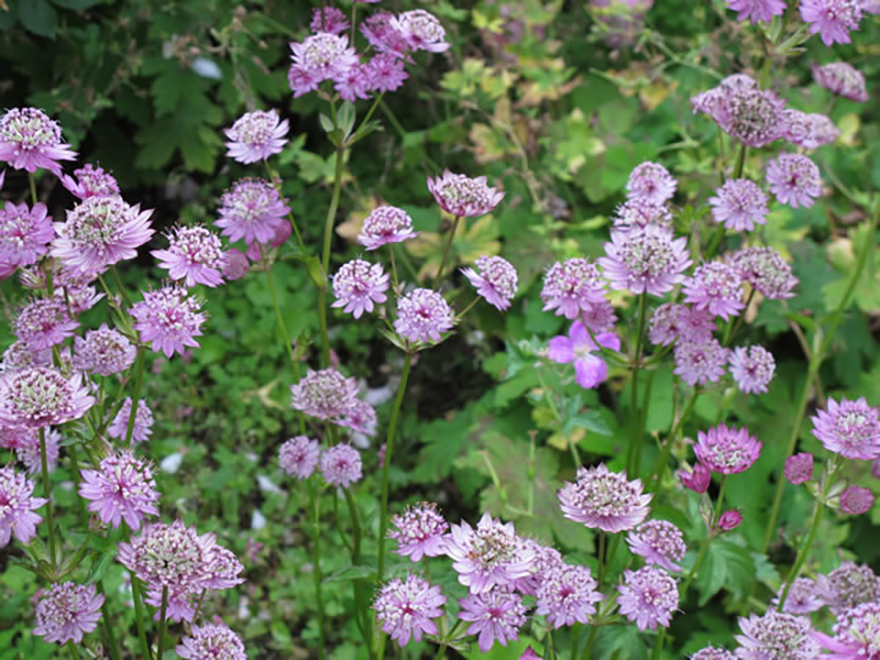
[(600, 318), (740, 204), (383, 36), (659, 542), (604, 500), (700, 363), (17, 515), (495, 616), (328, 19), (648, 260), (766, 270), (354, 84), (298, 457), (99, 232), (832, 19), (385, 72), (697, 480), (729, 520), (42, 396), (776, 636), (173, 556), (90, 181), (567, 595), (711, 100), (652, 182), (386, 224), (421, 531), (802, 597), (235, 265), (546, 561), (358, 285), (579, 348), (25, 234), (572, 286), (28, 450), (406, 608), (795, 180), (727, 450), (462, 196), (856, 634), (757, 10), (810, 131), (641, 212), (252, 210), (711, 653), (752, 368), (672, 321), (360, 417), (325, 394), (848, 586), (44, 323), (143, 422), (799, 469), (495, 280), (423, 315), (341, 465), (319, 57), (169, 320), (67, 611), (842, 79), (223, 569), (421, 30), (849, 428), (211, 642), (194, 255), (30, 140), (717, 288), (122, 488), (103, 351), (21, 356), (490, 556), (856, 500), (648, 597)]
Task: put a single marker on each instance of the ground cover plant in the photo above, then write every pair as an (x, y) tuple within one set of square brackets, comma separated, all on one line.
[(410, 329)]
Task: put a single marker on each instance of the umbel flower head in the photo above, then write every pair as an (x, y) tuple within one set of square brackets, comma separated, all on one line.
[(649, 260), (386, 224), (37, 397), (727, 450), (194, 255), (848, 586), (579, 348), (462, 196), (360, 418), (849, 428), (122, 488), (672, 321), (711, 653), (776, 635), (496, 615), (143, 422), (17, 515), (832, 20), (856, 634), (658, 542), (28, 450), (651, 182), (856, 500), (648, 597), (766, 270), (173, 556), (490, 556), (567, 595), (169, 320), (423, 316), (90, 181), (328, 19), (325, 394), (752, 368), (716, 287), (802, 597), (383, 36), (700, 362), (21, 356), (99, 232), (604, 500), (641, 212), (739, 204), (406, 608), (757, 10), (298, 457), (67, 611), (341, 465), (571, 287), (810, 131), (546, 560), (255, 136), (421, 531), (842, 79), (320, 57), (358, 285), (103, 351), (252, 210), (211, 642), (752, 115), (30, 140), (421, 30), (795, 180), (799, 469), (25, 234), (495, 280), (44, 323)]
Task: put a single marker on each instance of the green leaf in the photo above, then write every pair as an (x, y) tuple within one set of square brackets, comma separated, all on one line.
[(351, 573), (77, 5), (38, 17), (624, 641)]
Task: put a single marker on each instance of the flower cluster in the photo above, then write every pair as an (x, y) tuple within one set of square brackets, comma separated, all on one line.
[(330, 396), (122, 488), (169, 319), (67, 611), (604, 500)]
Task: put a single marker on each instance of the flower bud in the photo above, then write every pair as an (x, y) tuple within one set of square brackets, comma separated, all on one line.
[(856, 500), (698, 480), (799, 469), (729, 520)]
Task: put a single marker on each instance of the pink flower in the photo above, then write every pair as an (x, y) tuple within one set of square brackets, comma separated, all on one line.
[(421, 531), (842, 79), (67, 612), (752, 368), (729, 520), (328, 19), (30, 140), (795, 180), (567, 595), (422, 316), (358, 285), (341, 465), (103, 351), (383, 36), (495, 616), (25, 234), (211, 642), (659, 542), (355, 83), (360, 417), (406, 608), (604, 500), (651, 182), (856, 500), (421, 30), (169, 320), (711, 653), (319, 57), (90, 181), (648, 260), (700, 362), (44, 323), (325, 394), (462, 196), (17, 515), (776, 634), (802, 597), (252, 210), (590, 369), (849, 428), (848, 586), (298, 457), (672, 321), (121, 488), (757, 10), (648, 597), (726, 450), (640, 212), (38, 397), (810, 131), (697, 480), (799, 469), (29, 452), (143, 422), (386, 72), (495, 280), (235, 265), (716, 287), (571, 287), (386, 224), (194, 255), (765, 269), (856, 634), (832, 20), (739, 204), (173, 556)]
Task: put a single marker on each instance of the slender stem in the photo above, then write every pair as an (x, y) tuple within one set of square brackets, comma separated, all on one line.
[(446, 249), (315, 502), (357, 585), (389, 447), (108, 629), (33, 188), (733, 328), (710, 534), (712, 248), (393, 267), (290, 218), (591, 641), (818, 514), (47, 493), (601, 573), (325, 254), (658, 645), (137, 595), (270, 280), (162, 622), (660, 467), (370, 112), (136, 395), (354, 7), (121, 288), (71, 647), (740, 161), (635, 446), (468, 308)]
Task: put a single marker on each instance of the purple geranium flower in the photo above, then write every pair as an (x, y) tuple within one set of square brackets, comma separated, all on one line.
[(579, 348)]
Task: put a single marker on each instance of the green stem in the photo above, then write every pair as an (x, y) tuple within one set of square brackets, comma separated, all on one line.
[(47, 493), (162, 622), (290, 218), (601, 572), (270, 280), (72, 648), (591, 641), (357, 585), (315, 502), (370, 112), (733, 328), (136, 395), (118, 281), (635, 446), (658, 645), (325, 254), (818, 514), (712, 248), (137, 595), (446, 249), (740, 162), (33, 188), (393, 267), (660, 467), (710, 534), (386, 469)]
